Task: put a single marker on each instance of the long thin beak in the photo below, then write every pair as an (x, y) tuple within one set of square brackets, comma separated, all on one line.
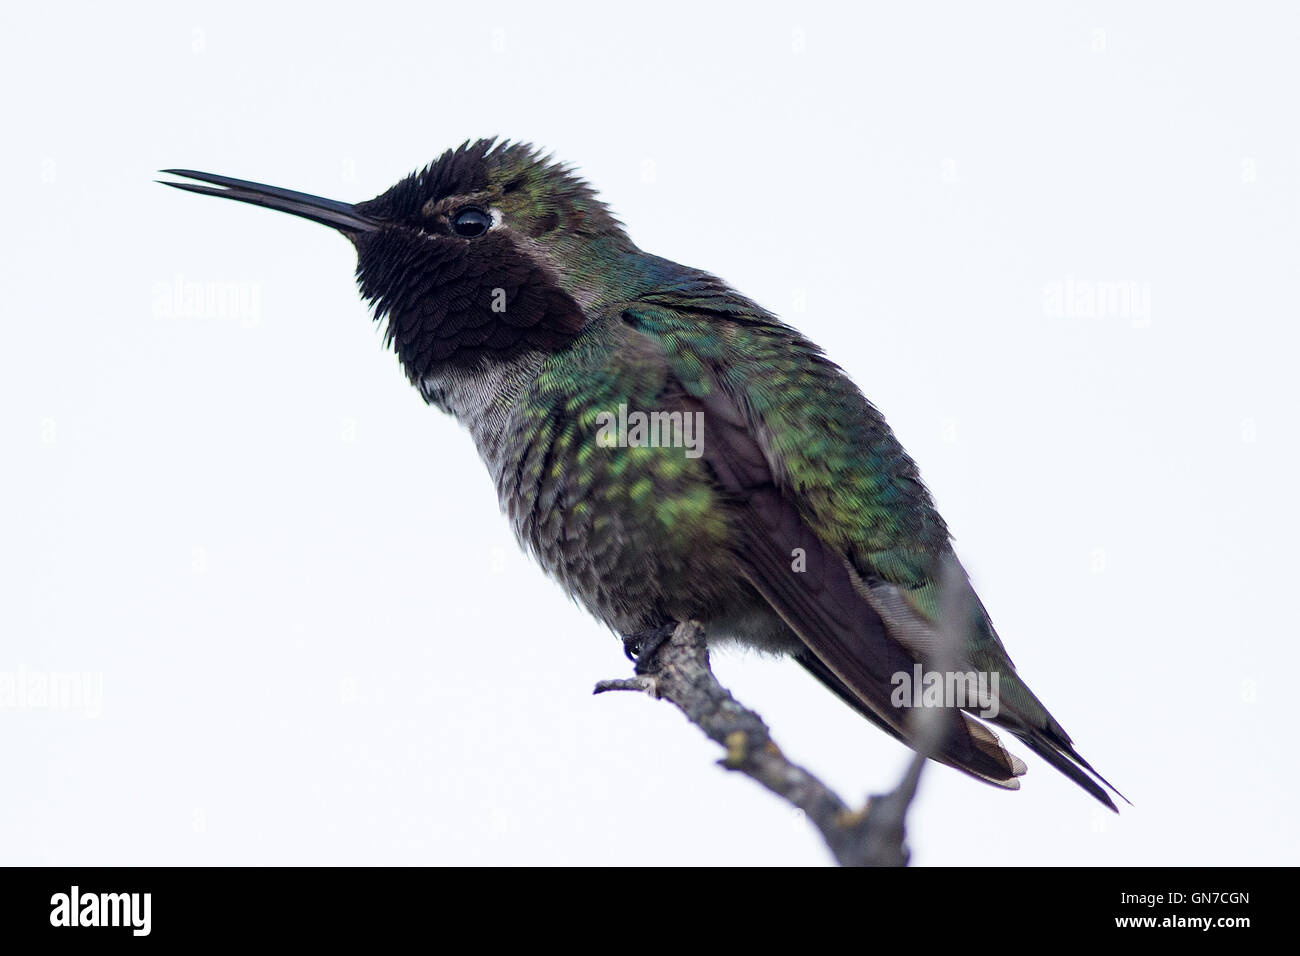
[(340, 215)]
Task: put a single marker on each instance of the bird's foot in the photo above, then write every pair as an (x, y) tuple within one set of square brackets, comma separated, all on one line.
[(641, 646)]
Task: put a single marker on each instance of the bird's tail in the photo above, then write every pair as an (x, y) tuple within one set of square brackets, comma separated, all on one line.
[(987, 760), (1023, 714)]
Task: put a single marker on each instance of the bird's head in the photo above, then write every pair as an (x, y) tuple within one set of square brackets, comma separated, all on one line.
[(489, 250)]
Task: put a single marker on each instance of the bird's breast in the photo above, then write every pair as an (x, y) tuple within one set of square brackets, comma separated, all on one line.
[(617, 507)]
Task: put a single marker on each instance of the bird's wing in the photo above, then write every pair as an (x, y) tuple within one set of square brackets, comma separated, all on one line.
[(820, 484)]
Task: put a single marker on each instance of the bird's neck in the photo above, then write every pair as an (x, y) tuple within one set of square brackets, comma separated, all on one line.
[(602, 274), (480, 392)]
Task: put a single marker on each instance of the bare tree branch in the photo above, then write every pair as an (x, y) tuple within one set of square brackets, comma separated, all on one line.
[(927, 723), (872, 836)]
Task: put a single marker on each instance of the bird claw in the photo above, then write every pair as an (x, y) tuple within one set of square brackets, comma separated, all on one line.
[(642, 646)]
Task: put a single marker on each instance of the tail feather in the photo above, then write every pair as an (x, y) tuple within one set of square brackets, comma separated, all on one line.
[(1023, 714), (1067, 761), (994, 763)]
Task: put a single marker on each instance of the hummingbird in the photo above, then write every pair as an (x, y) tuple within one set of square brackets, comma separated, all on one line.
[(669, 450)]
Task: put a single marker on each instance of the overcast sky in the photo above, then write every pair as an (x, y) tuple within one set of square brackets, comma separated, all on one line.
[(306, 633)]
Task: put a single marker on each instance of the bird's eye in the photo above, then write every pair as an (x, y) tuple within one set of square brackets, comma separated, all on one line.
[(471, 222)]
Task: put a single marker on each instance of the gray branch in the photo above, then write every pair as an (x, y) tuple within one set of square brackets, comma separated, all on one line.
[(871, 836)]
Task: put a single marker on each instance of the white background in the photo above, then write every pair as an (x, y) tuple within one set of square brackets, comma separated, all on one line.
[(317, 640)]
